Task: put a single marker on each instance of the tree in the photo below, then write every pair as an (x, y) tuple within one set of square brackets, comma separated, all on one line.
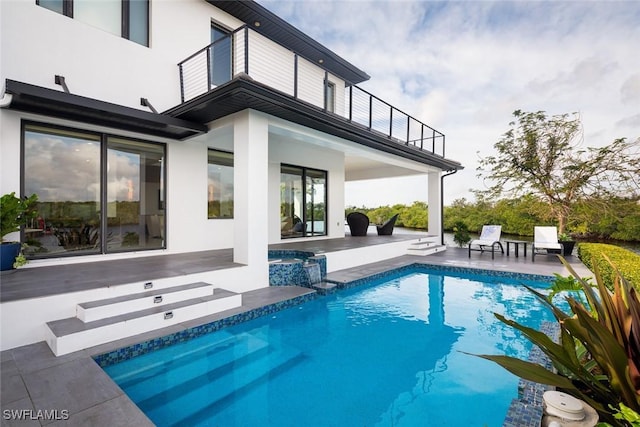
[(542, 156)]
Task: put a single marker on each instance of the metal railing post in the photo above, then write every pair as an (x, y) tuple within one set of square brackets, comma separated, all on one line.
[(408, 128), (370, 110), (181, 84), (390, 122), (246, 50), (422, 137), (326, 86), (295, 75), (209, 68), (351, 103)]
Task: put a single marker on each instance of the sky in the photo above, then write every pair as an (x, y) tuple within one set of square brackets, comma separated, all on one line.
[(464, 67)]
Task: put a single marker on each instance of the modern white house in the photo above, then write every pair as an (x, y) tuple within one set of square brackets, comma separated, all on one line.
[(150, 128)]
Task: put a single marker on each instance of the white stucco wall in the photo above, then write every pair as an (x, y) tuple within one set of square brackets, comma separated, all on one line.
[(37, 43), (297, 153)]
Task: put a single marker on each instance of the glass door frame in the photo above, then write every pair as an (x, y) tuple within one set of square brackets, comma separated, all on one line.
[(303, 214)]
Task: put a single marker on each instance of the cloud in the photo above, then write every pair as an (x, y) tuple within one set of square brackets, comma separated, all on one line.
[(630, 90), (463, 67), (630, 122)]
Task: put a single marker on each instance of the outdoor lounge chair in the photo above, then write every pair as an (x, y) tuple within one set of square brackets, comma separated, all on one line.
[(489, 238), (358, 223), (545, 238), (386, 229)]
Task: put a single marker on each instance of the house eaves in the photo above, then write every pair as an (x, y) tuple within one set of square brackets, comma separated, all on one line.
[(49, 102), (245, 93), (277, 29)]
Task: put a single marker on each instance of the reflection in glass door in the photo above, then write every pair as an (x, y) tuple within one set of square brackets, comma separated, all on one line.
[(96, 193), (135, 211), (62, 167), (303, 204), (316, 202)]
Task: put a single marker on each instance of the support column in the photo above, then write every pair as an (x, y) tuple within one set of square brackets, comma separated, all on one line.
[(250, 190), (434, 198)]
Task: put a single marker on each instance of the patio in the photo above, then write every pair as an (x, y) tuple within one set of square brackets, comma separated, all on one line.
[(33, 379), (34, 282)]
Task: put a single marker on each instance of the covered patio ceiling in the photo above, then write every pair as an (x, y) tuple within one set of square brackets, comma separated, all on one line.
[(360, 162)]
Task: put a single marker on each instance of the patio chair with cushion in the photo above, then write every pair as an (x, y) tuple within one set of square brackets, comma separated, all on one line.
[(386, 229), (489, 238), (545, 238), (358, 223)]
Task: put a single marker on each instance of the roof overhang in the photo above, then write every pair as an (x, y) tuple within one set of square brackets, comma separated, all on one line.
[(279, 30), (245, 93), (53, 103)]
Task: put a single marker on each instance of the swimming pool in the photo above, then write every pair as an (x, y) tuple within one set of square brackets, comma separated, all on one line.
[(383, 354)]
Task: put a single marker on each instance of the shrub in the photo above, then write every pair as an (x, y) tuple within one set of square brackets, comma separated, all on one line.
[(627, 262)]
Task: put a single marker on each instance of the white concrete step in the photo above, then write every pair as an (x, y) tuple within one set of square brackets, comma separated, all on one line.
[(426, 250), (72, 334), (422, 244), (95, 310)]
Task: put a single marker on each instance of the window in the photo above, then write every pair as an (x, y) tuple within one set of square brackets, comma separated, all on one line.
[(126, 18), (303, 202), (220, 185), (97, 193), (330, 97), (220, 55)]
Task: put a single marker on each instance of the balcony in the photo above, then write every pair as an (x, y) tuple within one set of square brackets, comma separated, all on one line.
[(276, 76)]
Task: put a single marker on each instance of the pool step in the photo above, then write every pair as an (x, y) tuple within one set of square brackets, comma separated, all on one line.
[(73, 334), (148, 383), (207, 380), (425, 246)]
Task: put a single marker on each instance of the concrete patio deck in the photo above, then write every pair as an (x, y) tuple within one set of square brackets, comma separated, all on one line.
[(77, 392)]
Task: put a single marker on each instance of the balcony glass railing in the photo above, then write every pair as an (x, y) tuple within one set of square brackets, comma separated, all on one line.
[(246, 51)]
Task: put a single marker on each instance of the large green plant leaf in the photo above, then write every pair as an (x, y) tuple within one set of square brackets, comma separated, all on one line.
[(605, 349), (530, 371), (536, 373)]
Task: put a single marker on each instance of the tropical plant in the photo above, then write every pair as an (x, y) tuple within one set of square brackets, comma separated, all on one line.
[(564, 237), (598, 356), (564, 284), (625, 414), (15, 212)]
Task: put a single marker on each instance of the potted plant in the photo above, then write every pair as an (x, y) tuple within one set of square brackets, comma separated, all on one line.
[(14, 213), (567, 243), (461, 234)]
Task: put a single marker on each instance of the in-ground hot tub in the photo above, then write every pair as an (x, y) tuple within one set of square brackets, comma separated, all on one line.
[(291, 267)]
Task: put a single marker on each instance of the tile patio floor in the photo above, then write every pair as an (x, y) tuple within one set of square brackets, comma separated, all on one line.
[(34, 379)]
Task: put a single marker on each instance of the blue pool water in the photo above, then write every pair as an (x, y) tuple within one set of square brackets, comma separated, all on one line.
[(385, 354)]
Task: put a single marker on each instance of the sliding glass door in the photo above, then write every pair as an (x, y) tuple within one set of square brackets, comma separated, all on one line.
[(97, 193), (63, 168), (303, 202), (135, 205)]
